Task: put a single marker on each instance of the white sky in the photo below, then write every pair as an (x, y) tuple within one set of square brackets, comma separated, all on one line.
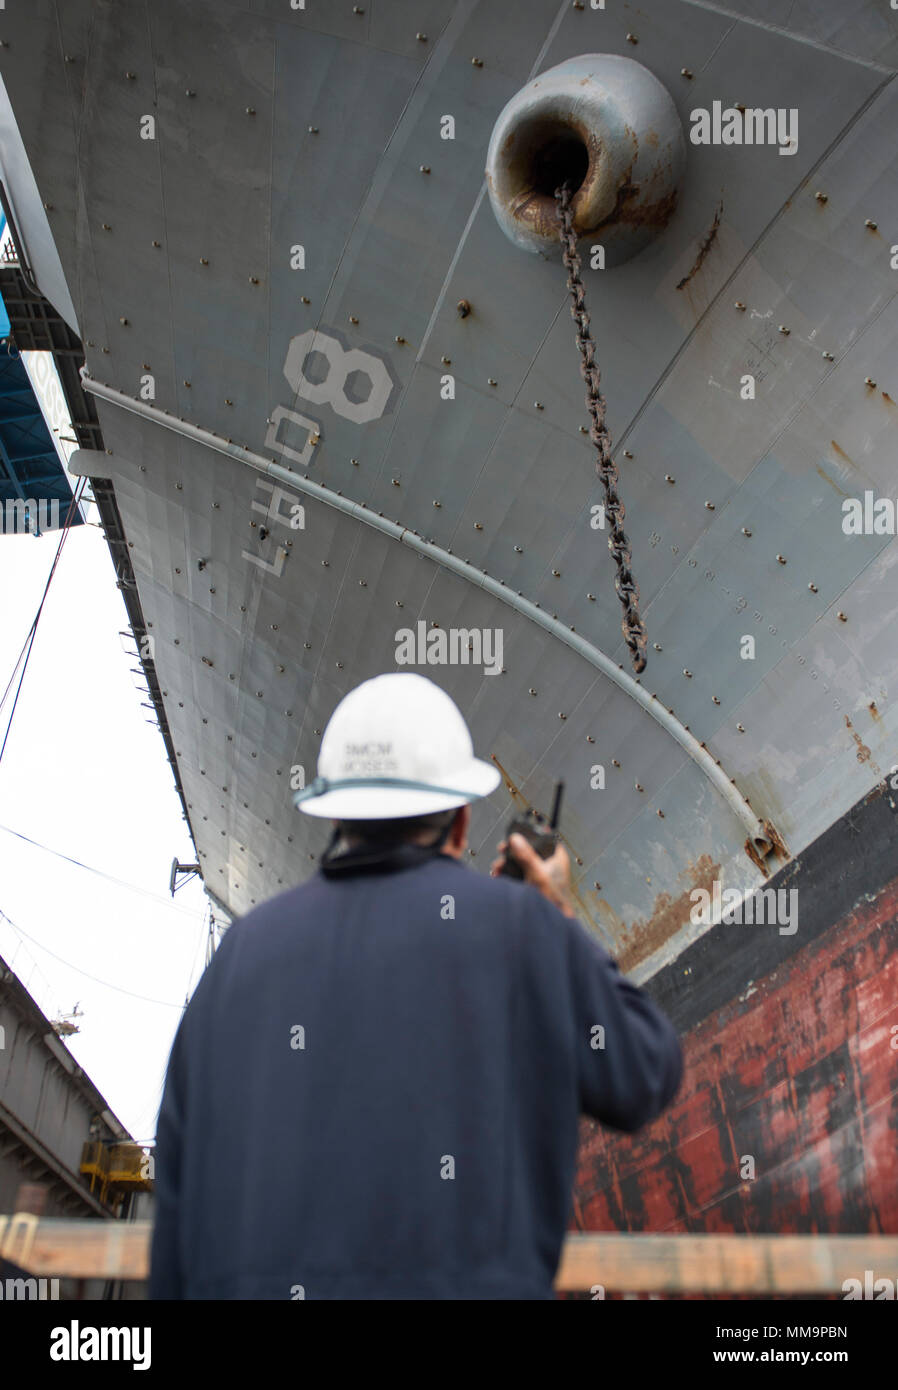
[(85, 774)]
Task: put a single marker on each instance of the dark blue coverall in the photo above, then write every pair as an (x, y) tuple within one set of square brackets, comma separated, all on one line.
[(374, 1092)]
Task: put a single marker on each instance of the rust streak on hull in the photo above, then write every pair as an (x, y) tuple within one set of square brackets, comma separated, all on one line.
[(668, 915), (704, 248)]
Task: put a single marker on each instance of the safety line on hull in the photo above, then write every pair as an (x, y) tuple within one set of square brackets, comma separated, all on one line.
[(761, 838)]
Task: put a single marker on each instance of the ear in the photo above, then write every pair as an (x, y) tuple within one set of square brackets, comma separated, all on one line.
[(460, 827)]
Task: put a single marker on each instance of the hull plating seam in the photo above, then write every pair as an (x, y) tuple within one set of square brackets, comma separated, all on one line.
[(760, 842)]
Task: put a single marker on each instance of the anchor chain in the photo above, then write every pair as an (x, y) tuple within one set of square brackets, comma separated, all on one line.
[(627, 590)]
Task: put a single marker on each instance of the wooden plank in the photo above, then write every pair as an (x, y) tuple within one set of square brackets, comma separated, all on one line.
[(78, 1249), (620, 1263), (722, 1263)]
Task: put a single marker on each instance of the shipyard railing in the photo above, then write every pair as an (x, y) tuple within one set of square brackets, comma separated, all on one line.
[(597, 1263)]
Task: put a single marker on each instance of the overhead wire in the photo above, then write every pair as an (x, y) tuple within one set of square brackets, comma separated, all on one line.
[(21, 668), (111, 878), (144, 998), (29, 640)]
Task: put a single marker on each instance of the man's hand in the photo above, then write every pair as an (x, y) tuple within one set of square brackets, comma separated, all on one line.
[(551, 876)]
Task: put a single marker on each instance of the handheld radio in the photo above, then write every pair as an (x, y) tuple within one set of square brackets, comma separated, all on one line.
[(539, 833)]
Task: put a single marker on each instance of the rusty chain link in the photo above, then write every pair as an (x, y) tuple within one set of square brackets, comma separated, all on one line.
[(627, 591)]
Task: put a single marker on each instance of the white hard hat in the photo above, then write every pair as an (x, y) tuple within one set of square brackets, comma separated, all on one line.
[(395, 746)]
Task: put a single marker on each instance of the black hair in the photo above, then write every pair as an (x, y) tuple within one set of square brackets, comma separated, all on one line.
[(397, 829)]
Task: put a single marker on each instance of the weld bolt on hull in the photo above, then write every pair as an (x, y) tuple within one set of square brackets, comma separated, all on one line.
[(813, 588), (842, 617), (868, 381), (870, 224), (464, 310)]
